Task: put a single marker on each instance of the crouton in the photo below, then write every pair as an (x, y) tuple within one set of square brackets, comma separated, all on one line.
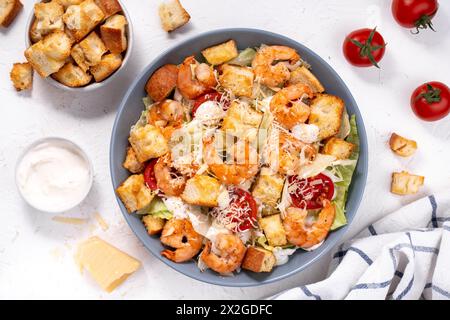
[(201, 191), (131, 163), (274, 230), (242, 120), (68, 3), (237, 79), (8, 11), (44, 65), (402, 146), (304, 76), (22, 76), (339, 148), (57, 45), (134, 194), (162, 82), (154, 225), (81, 19), (109, 7), (148, 142), (113, 33), (48, 19), (404, 183), (221, 53), (89, 51), (326, 113), (268, 186), (72, 76), (173, 15), (107, 66), (258, 260)]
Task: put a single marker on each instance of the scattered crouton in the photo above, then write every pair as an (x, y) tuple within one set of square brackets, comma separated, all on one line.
[(201, 191), (134, 194), (339, 148), (326, 113), (404, 183), (81, 19), (113, 33), (242, 120), (268, 187), (8, 11), (48, 18), (221, 53), (72, 76), (274, 230), (154, 225), (22, 76), (89, 51), (258, 260), (162, 82), (238, 79), (148, 142), (44, 65), (131, 163), (304, 76), (173, 15), (402, 146), (107, 66)]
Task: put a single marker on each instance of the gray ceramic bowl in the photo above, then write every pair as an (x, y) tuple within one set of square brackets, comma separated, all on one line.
[(132, 106)]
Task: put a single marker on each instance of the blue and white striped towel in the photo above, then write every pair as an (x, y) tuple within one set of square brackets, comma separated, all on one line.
[(405, 255)]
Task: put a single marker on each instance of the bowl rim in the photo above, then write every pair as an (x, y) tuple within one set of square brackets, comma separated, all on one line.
[(363, 161), (77, 147), (95, 85)]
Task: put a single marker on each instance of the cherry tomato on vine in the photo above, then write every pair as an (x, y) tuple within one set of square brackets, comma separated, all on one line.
[(364, 47), (431, 101), (414, 13)]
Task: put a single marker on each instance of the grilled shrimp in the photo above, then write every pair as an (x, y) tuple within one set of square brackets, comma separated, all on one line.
[(243, 167), (167, 179), (164, 113), (195, 79), (287, 106), (270, 64), (180, 235), (301, 234), (227, 254), (290, 155)]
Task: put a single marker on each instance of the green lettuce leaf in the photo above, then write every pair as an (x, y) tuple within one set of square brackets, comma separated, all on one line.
[(345, 173), (158, 209), (244, 58)]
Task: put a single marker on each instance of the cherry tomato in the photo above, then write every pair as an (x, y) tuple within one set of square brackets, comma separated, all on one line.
[(244, 199), (213, 96), (431, 101), (414, 13), (364, 48), (149, 175), (312, 191)]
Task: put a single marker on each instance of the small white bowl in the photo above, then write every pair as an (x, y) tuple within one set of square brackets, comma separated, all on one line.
[(76, 148), (93, 85)]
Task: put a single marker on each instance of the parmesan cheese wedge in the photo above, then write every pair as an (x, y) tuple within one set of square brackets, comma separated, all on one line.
[(107, 265)]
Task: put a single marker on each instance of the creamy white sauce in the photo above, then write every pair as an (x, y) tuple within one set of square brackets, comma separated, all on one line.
[(54, 176)]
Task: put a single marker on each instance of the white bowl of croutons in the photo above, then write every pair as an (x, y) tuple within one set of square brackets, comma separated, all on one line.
[(79, 45)]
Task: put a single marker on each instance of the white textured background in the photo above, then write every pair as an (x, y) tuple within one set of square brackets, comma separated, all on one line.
[(36, 253)]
